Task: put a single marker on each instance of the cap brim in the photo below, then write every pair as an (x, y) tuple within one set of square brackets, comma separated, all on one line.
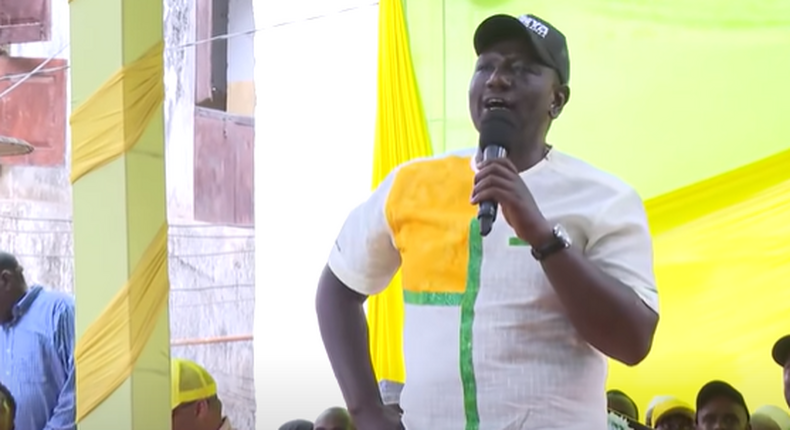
[(781, 350), (499, 28)]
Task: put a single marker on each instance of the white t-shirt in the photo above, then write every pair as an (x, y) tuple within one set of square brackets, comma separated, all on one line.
[(487, 344)]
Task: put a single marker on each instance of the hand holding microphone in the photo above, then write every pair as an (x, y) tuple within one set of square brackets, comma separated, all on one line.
[(497, 182)]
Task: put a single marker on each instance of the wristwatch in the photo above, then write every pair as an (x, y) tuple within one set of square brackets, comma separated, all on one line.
[(560, 240)]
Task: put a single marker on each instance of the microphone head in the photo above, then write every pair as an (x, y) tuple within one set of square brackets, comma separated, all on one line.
[(498, 127)]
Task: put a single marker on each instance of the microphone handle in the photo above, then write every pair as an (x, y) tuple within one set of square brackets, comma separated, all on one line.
[(487, 212)]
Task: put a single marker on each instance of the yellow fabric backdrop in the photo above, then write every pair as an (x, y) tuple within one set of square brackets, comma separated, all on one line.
[(664, 76), (722, 262), (401, 135)]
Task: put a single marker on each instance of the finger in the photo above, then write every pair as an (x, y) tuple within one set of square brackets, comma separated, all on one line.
[(492, 181), (498, 195), (492, 186), (495, 169)]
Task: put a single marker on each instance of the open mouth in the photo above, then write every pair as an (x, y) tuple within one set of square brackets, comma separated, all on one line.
[(496, 104)]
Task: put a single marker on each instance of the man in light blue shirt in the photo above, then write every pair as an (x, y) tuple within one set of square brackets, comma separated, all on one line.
[(36, 350)]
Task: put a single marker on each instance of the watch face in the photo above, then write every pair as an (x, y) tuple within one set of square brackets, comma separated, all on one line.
[(561, 233)]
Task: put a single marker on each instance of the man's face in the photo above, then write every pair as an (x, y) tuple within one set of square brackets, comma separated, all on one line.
[(182, 419), (722, 413), (787, 380), (189, 416), (511, 71), (675, 422), (8, 295)]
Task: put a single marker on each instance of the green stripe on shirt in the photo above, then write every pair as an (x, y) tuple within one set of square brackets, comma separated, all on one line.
[(467, 323)]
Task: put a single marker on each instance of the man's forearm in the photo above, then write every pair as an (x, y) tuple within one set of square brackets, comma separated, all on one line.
[(606, 313), (344, 330)]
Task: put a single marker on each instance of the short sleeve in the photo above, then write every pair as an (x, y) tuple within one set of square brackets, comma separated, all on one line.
[(620, 244), (390, 392), (364, 256)]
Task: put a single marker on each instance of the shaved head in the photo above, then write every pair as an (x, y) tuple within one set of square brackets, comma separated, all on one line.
[(334, 419)]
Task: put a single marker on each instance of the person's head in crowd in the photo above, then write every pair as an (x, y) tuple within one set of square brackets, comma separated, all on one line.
[(619, 402), (12, 285), (7, 409), (770, 417), (721, 407), (673, 414), (781, 355), (650, 406), (194, 401), (334, 419), (297, 425)]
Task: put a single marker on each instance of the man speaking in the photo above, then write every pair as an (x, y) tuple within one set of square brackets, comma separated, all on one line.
[(510, 330)]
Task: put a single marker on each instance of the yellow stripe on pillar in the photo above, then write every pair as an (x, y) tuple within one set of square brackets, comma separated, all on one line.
[(120, 223), (401, 135)]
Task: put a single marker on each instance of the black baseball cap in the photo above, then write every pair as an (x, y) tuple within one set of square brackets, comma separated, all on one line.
[(715, 389), (548, 42), (781, 350)]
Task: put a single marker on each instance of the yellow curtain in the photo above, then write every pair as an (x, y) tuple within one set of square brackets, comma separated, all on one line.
[(722, 261), (401, 135)]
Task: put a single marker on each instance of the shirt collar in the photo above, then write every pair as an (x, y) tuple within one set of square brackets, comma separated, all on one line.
[(24, 303), (477, 158)]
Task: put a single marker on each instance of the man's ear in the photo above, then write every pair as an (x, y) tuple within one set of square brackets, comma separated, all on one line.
[(561, 96), (5, 279), (202, 408)]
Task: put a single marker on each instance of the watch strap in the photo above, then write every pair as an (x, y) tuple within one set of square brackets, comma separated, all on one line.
[(558, 243)]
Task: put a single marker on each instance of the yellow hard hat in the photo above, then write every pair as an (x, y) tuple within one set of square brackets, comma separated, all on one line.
[(189, 382), (672, 406)]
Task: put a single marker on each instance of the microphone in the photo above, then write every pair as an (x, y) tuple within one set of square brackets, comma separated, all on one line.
[(497, 130)]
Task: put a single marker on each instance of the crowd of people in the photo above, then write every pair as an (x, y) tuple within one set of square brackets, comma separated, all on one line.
[(195, 405), (718, 406)]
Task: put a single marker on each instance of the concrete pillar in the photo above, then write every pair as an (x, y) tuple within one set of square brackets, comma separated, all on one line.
[(119, 207)]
